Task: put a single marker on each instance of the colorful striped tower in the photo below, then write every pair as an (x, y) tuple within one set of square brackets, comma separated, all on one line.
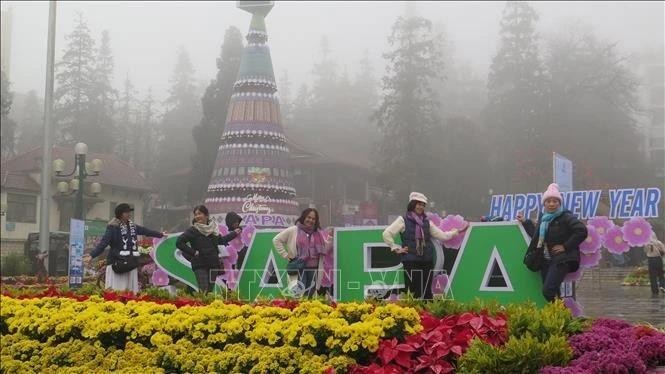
[(252, 175)]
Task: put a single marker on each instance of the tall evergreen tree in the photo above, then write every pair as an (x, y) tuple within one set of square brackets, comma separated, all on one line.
[(408, 109), (285, 99), (516, 92), (215, 102), (177, 147), (75, 94), (31, 123), (8, 125), (145, 144), (103, 92), (126, 122)]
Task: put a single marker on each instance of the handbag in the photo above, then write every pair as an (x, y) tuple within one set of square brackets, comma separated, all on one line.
[(295, 266), (534, 259), (125, 264)]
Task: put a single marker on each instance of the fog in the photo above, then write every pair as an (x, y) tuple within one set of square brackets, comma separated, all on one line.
[(145, 35)]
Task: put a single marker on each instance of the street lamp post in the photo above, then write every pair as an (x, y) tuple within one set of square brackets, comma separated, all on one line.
[(82, 170)]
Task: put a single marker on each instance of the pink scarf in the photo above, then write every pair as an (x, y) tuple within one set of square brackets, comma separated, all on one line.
[(420, 234), (310, 243)]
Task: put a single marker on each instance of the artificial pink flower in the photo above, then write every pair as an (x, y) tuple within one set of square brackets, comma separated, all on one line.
[(223, 230), (159, 278), (247, 234), (614, 242), (590, 260), (593, 241), (575, 307), (434, 218), (636, 231), (449, 223), (601, 224), (439, 283), (575, 276)]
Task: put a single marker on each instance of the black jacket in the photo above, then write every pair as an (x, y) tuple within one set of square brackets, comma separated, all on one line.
[(566, 230), (206, 245), (112, 237)]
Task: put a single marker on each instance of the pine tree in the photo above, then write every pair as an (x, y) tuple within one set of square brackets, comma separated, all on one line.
[(285, 99), (76, 93), (215, 102), (126, 125), (148, 137), (516, 92), (31, 125), (103, 92), (177, 148), (8, 125), (408, 111)]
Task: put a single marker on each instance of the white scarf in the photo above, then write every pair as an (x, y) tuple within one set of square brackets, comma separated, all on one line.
[(207, 228)]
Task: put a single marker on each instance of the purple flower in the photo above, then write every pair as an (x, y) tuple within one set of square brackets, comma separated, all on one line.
[(615, 324), (614, 242), (434, 218), (439, 283), (223, 230), (449, 223), (651, 349), (589, 261), (637, 231), (610, 361), (574, 307), (601, 224), (159, 278), (575, 276), (592, 242), (247, 234)]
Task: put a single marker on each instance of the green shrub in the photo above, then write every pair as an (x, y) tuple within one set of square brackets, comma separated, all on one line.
[(15, 264), (445, 307), (552, 319), (526, 354)]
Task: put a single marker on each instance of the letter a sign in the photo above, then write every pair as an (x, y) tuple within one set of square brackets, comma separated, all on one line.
[(489, 266)]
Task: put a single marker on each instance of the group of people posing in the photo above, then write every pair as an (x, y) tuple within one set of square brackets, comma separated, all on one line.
[(555, 238)]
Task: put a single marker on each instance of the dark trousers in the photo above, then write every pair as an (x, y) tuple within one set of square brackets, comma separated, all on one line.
[(307, 280), (418, 278), (553, 275), (203, 279), (656, 273)]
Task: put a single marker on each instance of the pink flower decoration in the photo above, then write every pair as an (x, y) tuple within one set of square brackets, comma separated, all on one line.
[(449, 223), (589, 260), (247, 233), (614, 242), (574, 277), (327, 279), (223, 230), (593, 241), (230, 276), (439, 283), (601, 224), (434, 218), (575, 307), (637, 231), (220, 280), (159, 278)]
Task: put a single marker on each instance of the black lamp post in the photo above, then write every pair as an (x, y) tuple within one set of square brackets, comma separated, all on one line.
[(82, 170)]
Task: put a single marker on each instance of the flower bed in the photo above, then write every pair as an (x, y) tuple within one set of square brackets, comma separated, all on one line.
[(638, 277), (58, 330)]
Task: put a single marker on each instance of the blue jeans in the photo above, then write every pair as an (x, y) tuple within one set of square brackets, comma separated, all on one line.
[(553, 275), (308, 279)]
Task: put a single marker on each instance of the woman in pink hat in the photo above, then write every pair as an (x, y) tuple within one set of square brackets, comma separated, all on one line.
[(417, 249), (559, 234)]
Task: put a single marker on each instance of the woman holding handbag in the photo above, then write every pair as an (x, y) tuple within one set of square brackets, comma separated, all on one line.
[(122, 259), (200, 242), (557, 239), (303, 244)]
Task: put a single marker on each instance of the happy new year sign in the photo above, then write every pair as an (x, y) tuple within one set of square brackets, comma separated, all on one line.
[(624, 203)]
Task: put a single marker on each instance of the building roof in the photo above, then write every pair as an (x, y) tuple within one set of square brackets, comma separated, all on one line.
[(18, 181), (115, 172)]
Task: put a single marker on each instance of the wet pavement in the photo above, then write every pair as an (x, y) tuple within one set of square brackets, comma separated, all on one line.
[(601, 294)]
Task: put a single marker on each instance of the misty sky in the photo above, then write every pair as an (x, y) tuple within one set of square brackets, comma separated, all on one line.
[(145, 35)]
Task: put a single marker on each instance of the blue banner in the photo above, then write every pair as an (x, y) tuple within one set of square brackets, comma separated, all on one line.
[(76, 247), (623, 203)]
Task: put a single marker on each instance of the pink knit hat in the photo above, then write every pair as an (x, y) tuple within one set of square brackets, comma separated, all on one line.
[(552, 191)]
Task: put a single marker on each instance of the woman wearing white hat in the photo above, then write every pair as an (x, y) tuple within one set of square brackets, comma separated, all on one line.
[(417, 249)]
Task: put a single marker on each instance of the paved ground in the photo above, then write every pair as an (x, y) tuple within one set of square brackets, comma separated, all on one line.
[(601, 294)]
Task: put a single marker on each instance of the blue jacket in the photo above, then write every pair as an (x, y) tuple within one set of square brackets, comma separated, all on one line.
[(409, 240), (113, 238)]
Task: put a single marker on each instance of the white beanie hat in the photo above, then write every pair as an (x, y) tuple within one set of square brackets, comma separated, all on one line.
[(417, 196)]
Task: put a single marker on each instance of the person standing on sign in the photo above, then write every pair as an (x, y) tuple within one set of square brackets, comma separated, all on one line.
[(655, 251), (303, 245), (558, 235), (200, 242), (417, 249), (122, 259)]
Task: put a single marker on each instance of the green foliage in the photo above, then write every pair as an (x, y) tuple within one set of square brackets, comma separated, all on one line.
[(524, 354), (553, 319), (15, 264), (445, 307)]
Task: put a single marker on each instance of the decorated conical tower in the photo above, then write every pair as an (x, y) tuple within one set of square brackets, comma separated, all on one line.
[(252, 175)]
